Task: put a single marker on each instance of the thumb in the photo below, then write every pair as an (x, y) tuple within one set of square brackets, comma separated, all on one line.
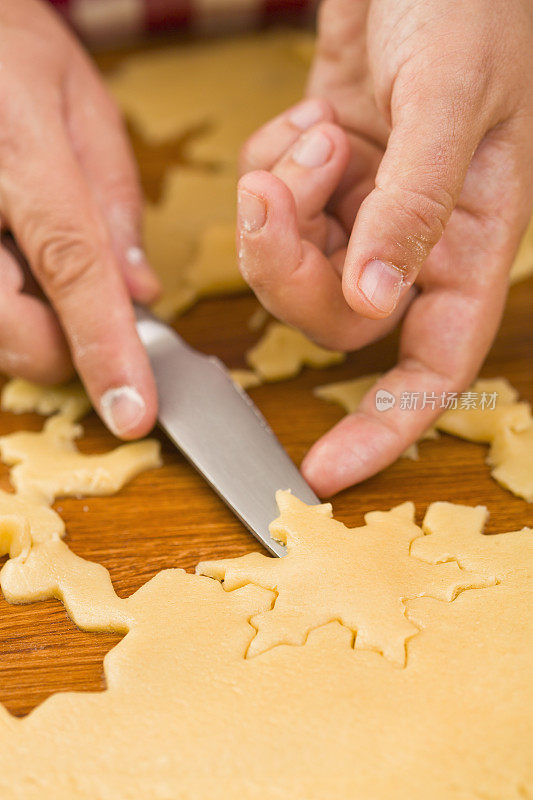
[(417, 186)]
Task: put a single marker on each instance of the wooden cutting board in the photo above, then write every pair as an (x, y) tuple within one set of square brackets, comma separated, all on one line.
[(170, 518)]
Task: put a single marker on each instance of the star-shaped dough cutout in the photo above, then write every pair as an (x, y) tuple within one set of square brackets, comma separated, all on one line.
[(361, 577)]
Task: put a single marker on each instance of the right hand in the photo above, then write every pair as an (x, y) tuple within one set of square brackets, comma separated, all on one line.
[(70, 195)]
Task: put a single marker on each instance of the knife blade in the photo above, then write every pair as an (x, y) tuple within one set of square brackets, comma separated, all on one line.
[(218, 428)]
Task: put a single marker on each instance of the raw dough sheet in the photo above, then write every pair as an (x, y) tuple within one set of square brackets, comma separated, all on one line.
[(231, 88), (384, 661)]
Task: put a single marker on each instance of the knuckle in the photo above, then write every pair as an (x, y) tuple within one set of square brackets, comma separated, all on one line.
[(65, 258), (425, 213)]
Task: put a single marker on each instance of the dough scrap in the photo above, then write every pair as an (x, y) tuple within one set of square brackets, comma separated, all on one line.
[(46, 465), (282, 352), (50, 570), (232, 87), (25, 519), (507, 427), (258, 319), (22, 397), (482, 424), (357, 581), (523, 263), (245, 378), (349, 393), (49, 462), (511, 459)]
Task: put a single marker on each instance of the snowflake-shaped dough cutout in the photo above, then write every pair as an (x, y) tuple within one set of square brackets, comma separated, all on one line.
[(361, 577)]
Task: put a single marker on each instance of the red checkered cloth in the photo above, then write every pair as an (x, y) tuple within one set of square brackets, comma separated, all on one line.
[(110, 21)]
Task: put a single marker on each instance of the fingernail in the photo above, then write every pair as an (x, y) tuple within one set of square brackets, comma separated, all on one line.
[(381, 283), (313, 150), (252, 211), (122, 409), (306, 114)]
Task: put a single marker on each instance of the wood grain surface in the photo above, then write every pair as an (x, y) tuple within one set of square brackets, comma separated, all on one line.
[(170, 518)]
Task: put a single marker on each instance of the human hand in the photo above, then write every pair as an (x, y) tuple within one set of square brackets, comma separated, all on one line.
[(399, 192), (69, 193)]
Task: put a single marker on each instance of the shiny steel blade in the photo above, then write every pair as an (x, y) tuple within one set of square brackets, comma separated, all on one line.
[(218, 428)]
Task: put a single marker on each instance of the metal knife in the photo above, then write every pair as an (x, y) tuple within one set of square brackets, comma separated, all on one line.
[(218, 428)]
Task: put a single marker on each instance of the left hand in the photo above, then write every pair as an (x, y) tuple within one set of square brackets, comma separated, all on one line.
[(399, 190)]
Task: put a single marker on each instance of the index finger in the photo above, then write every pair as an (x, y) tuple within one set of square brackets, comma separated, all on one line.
[(445, 337), (57, 224)]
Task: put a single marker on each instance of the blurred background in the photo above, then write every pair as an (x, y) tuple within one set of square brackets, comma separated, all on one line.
[(101, 23)]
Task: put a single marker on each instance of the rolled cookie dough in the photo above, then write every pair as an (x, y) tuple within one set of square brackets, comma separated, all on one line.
[(358, 580), (379, 654), (232, 87), (187, 714)]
